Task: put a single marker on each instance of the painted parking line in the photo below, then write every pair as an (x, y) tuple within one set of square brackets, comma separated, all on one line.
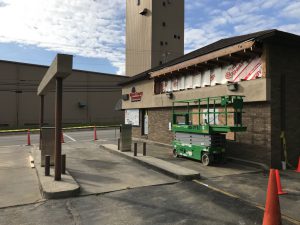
[(283, 216), (72, 139)]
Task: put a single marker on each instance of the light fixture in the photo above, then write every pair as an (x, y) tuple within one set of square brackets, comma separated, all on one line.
[(232, 86), (144, 12), (81, 105), (125, 97), (170, 95)]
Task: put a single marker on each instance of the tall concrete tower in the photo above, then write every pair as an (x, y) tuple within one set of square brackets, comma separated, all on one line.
[(154, 33)]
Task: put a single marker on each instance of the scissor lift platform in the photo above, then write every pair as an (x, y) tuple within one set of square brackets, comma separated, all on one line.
[(198, 139)]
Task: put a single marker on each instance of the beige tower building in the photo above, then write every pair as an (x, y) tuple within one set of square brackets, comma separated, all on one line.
[(154, 33)]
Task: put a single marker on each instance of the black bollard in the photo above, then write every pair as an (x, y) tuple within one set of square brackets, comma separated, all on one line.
[(135, 149), (144, 149), (47, 165), (63, 164), (118, 143)]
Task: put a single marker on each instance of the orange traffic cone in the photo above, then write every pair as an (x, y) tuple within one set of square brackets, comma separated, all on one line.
[(62, 138), (298, 169), (279, 188), (28, 137), (272, 215), (95, 134)]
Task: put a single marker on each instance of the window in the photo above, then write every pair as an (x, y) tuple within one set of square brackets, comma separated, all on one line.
[(160, 62), (166, 43), (138, 2), (161, 43), (163, 24), (164, 3), (175, 36), (157, 87), (178, 37)]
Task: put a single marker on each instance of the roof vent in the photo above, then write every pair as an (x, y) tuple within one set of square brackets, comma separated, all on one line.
[(144, 12)]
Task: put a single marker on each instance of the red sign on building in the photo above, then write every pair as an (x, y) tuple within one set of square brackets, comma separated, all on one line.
[(135, 96)]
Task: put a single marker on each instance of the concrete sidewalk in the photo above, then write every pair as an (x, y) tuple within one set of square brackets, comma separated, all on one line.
[(51, 189), (217, 170), (19, 183)]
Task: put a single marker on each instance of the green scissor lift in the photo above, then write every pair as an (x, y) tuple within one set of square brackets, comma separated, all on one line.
[(205, 139)]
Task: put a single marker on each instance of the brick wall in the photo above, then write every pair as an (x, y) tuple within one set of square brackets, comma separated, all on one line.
[(159, 125), (254, 144), (137, 132), (285, 101)]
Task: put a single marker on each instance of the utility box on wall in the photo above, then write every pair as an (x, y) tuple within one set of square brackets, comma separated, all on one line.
[(47, 144), (125, 137)]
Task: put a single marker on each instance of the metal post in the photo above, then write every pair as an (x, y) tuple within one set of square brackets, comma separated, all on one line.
[(118, 143), (47, 165), (115, 132), (135, 149), (199, 111), (63, 164), (41, 119), (144, 149), (58, 118)]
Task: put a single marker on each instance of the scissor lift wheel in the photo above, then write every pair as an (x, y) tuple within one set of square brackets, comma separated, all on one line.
[(175, 154), (207, 159)]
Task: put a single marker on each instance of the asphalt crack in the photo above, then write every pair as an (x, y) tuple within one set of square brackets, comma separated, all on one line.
[(74, 213)]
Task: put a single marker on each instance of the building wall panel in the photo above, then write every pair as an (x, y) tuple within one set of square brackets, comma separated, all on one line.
[(284, 67), (21, 105)]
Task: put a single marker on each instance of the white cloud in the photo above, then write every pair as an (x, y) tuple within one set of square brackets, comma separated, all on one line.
[(196, 38), (292, 10), (191, 4), (90, 28), (229, 18), (292, 28), (96, 28)]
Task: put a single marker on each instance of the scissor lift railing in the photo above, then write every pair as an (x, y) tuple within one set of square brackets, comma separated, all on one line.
[(229, 105)]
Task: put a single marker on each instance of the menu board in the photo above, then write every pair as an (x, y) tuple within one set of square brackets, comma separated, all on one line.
[(132, 116)]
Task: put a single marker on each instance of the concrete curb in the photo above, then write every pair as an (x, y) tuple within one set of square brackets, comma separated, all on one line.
[(233, 159), (151, 142), (158, 165), (71, 192), (51, 189)]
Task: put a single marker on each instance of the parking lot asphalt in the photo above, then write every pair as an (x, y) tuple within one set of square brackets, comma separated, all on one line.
[(69, 136), (182, 203), (117, 191), (244, 182), (98, 171)]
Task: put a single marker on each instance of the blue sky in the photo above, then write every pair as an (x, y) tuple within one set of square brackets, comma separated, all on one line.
[(33, 31)]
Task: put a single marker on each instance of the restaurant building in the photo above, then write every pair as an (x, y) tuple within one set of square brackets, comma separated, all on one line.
[(263, 66)]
